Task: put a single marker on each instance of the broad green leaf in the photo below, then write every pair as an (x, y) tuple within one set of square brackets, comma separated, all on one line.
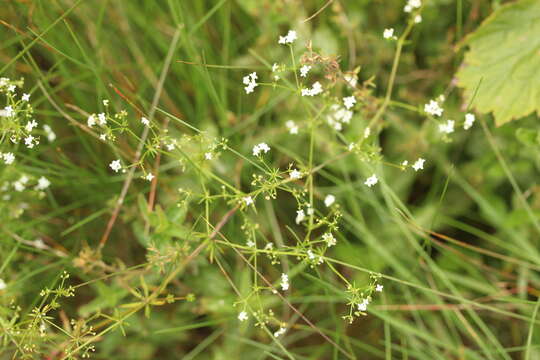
[(504, 58)]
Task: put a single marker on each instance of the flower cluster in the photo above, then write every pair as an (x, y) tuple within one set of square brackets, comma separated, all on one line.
[(433, 108), (260, 148), (251, 82), (289, 38), (338, 116), (315, 89)]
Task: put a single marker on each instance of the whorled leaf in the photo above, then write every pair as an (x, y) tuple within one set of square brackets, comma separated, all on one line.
[(504, 58)]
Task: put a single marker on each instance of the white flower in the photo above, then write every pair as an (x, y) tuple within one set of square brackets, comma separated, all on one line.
[(469, 121), (300, 216), (367, 132), (363, 305), (310, 254), (9, 158), (295, 174), (448, 127), (102, 119), (329, 200), (284, 282), (248, 200), (291, 125), (145, 121), (289, 38), (29, 141), (115, 165), (11, 88), (329, 239), (405, 163), (250, 243), (262, 147), (105, 102), (419, 164), (417, 19), (280, 332), (31, 125), (19, 186), (433, 108), (208, 156), (242, 316), (8, 111), (338, 116), (91, 121), (103, 137), (43, 183), (149, 177), (304, 70), (2, 284), (51, 136), (389, 33), (351, 79), (316, 89), (379, 288), (250, 82), (25, 97), (349, 102), (372, 180), (411, 5), (275, 67)]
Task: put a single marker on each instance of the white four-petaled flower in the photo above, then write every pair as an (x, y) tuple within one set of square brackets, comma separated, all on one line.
[(349, 101), (9, 158), (300, 216), (372, 180), (329, 200), (242, 316), (115, 165), (43, 183), (418, 164), (295, 174), (389, 33), (91, 121), (469, 121)]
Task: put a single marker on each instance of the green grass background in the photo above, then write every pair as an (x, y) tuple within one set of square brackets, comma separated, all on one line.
[(471, 293)]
